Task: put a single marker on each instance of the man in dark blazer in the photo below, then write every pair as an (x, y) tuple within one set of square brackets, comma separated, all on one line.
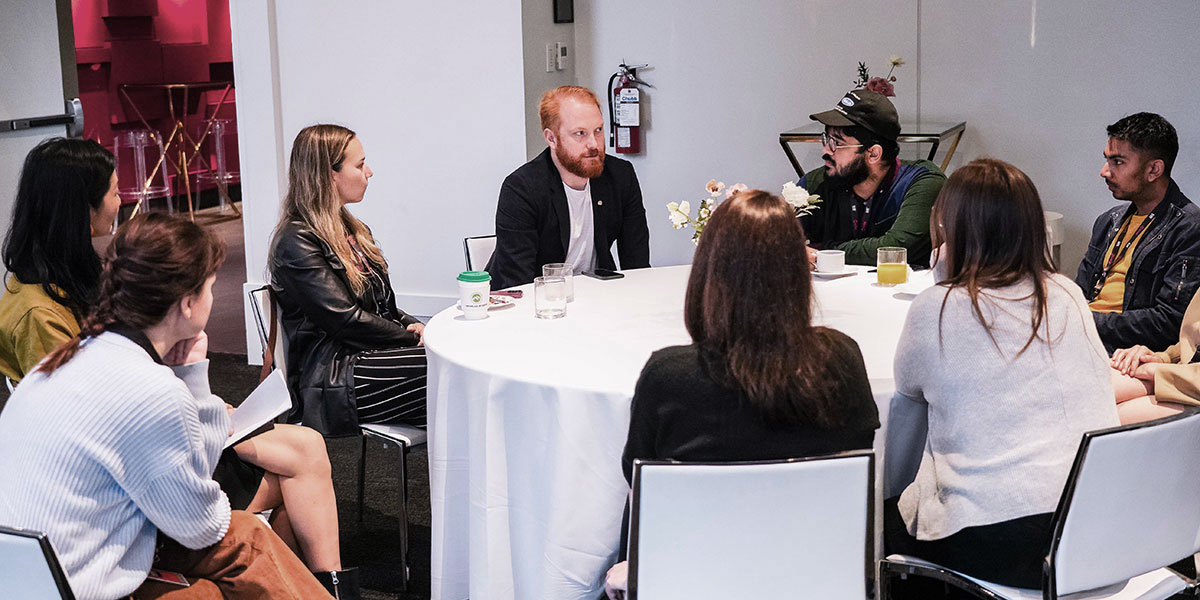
[(571, 202)]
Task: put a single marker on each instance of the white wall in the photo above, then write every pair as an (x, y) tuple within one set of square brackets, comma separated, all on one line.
[(1037, 83), (435, 92), (538, 28), (31, 67), (729, 77)]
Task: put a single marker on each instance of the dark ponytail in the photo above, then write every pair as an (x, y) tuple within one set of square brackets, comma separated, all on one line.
[(152, 263)]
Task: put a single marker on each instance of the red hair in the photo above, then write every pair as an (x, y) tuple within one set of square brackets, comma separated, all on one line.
[(551, 103)]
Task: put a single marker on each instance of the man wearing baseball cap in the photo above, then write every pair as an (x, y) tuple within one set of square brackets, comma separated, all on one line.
[(871, 198)]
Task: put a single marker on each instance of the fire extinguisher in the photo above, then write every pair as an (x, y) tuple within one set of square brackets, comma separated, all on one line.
[(624, 109)]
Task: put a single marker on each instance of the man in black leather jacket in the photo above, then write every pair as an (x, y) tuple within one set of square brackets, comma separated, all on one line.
[(1138, 291)]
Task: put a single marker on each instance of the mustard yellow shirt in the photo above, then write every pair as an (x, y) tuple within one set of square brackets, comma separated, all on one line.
[(32, 324), (1112, 296)]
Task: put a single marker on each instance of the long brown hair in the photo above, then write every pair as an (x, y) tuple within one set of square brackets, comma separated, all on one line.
[(317, 152), (749, 309), (152, 263), (990, 217)]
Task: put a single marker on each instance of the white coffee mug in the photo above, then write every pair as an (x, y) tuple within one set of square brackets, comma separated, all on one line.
[(831, 261), (474, 294)]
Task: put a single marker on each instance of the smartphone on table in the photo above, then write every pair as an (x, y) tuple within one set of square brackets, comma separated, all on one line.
[(604, 274)]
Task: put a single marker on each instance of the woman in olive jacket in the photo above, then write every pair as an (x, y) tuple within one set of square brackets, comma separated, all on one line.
[(353, 357)]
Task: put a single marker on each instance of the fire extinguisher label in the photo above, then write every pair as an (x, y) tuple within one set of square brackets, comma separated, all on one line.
[(629, 94), (629, 115), (622, 137)]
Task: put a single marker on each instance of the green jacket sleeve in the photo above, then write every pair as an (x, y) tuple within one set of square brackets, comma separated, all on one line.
[(910, 229)]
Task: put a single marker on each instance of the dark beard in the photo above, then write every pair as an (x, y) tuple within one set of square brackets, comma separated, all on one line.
[(854, 173), (577, 167)]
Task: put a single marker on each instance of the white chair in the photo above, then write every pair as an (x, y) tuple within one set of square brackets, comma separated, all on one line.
[(478, 251), (29, 567), (798, 528), (404, 437), (1129, 509)]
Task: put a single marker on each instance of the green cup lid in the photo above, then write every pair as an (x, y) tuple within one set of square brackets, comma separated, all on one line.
[(474, 276)]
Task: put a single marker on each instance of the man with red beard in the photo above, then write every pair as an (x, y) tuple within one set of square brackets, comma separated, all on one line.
[(571, 202), (871, 198)]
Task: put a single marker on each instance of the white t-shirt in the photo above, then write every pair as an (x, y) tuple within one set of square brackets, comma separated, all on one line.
[(581, 251)]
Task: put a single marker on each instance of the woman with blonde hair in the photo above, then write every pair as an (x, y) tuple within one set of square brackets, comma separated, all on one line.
[(353, 356), (67, 192)]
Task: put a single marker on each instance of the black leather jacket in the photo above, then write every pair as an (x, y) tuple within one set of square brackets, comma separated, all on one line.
[(327, 326), (1162, 278)]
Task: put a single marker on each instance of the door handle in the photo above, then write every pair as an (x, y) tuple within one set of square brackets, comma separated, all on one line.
[(73, 119)]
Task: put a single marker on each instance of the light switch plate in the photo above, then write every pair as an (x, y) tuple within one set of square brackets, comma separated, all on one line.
[(551, 56)]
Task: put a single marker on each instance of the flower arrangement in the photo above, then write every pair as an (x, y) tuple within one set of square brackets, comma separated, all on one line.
[(680, 213), (883, 85)]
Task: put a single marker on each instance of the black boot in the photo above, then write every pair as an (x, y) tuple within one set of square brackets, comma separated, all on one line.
[(342, 585)]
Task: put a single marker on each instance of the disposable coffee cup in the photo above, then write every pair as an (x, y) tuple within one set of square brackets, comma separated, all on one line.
[(474, 293), (831, 261)]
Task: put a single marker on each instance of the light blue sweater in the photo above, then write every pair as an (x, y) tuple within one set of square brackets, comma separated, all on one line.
[(107, 451), (1003, 428)]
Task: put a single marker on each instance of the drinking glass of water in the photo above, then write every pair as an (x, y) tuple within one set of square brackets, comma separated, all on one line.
[(550, 297)]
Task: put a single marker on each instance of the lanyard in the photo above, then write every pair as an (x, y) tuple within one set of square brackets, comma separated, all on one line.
[(885, 187), (1119, 250), (860, 226)]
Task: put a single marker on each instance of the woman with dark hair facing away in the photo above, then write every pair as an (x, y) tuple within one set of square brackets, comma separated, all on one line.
[(353, 356), (1005, 354), (108, 446), (67, 194), (55, 272), (759, 380)]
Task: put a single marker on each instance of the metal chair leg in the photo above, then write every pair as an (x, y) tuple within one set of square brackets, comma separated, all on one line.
[(362, 475), (403, 517)]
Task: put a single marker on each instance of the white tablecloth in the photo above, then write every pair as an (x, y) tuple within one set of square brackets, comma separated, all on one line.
[(528, 419)]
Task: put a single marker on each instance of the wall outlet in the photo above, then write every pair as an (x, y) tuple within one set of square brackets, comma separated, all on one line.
[(562, 55), (551, 56)]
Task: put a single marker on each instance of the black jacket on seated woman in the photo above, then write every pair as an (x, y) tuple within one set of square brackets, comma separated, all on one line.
[(327, 325), (759, 381), (353, 356)]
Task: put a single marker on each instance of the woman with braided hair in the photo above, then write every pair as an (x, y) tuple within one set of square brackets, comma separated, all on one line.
[(109, 444), (67, 193)]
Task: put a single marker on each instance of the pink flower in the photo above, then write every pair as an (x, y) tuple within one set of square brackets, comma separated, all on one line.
[(881, 85), (734, 190)]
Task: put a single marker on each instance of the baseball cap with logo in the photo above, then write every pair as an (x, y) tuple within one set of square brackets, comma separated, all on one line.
[(870, 110)]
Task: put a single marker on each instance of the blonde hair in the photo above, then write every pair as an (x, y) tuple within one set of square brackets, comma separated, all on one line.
[(317, 152), (551, 103)]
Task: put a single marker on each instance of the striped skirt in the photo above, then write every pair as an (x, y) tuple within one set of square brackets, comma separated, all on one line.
[(389, 386)]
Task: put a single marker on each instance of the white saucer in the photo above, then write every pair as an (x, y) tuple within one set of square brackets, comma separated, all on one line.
[(834, 274)]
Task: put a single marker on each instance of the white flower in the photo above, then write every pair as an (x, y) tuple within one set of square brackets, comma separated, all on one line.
[(895, 60), (714, 187), (678, 212), (795, 195)]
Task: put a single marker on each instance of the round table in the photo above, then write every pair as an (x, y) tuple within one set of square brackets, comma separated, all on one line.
[(528, 419)]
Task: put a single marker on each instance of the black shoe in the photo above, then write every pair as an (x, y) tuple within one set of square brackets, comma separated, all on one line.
[(342, 585)]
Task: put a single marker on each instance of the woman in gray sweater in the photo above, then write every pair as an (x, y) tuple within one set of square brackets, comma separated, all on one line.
[(1005, 354)]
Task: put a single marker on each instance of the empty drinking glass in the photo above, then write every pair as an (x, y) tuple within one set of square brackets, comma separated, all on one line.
[(549, 297), (561, 270)]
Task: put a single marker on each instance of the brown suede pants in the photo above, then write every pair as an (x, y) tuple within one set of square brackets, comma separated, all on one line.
[(249, 562)]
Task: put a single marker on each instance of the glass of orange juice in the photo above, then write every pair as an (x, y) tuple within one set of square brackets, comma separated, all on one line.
[(892, 265)]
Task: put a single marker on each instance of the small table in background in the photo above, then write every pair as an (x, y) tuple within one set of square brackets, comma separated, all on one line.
[(910, 133)]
